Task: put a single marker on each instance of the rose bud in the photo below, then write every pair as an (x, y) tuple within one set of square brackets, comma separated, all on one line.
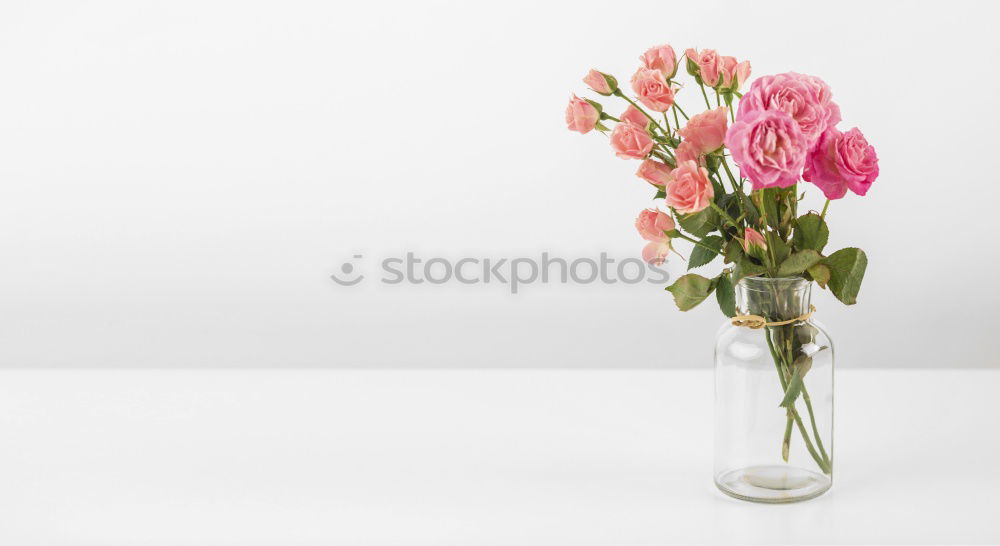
[(600, 82), (581, 115)]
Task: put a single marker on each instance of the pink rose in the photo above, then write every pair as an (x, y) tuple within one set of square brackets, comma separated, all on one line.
[(690, 190), (654, 172), (661, 58), (706, 131), (769, 147), (651, 87), (742, 73), (633, 115), (687, 151), (842, 161), (581, 116), (631, 141), (753, 238), (709, 65), (727, 70), (600, 82), (652, 223), (807, 99), (732, 73), (655, 252)]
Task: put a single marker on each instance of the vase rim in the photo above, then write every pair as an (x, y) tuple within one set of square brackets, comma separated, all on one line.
[(756, 281)]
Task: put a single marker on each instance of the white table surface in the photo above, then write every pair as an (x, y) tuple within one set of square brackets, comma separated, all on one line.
[(470, 457)]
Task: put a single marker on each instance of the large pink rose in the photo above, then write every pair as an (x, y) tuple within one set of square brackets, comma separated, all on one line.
[(690, 190), (631, 141), (807, 99), (652, 223), (652, 88), (654, 172), (581, 116), (769, 147), (706, 131), (633, 115), (600, 82), (842, 161), (709, 65), (661, 58)]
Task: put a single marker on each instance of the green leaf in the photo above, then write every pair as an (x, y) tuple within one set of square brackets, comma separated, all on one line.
[(700, 223), (810, 232), (820, 273), (753, 215), (847, 270), (779, 248), (746, 268), (769, 203), (690, 290), (660, 194), (803, 364), (793, 390), (701, 255), (725, 294), (734, 251), (798, 262)]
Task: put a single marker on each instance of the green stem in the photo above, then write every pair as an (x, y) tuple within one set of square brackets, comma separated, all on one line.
[(812, 420), (822, 215), (681, 110), (786, 441), (725, 215), (677, 121), (618, 93), (728, 172), (823, 465), (718, 102), (697, 242), (704, 94)]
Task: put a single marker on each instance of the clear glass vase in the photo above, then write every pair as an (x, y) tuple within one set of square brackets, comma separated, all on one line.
[(773, 396)]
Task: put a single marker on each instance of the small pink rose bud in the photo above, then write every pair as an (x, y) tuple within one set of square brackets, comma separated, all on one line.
[(727, 70), (687, 151), (655, 252), (754, 243), (654, 172), (742, 74), (600, 82), (709, 67), (633, 115), (581, 115), (661, 58), (651, 225)]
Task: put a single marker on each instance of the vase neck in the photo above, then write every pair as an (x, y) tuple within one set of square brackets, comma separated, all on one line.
[(774, 299)]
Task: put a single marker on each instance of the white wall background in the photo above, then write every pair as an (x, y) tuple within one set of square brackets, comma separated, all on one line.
[(178, 179)]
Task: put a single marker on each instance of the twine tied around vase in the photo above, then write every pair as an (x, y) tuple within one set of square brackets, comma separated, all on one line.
[(756, 322)]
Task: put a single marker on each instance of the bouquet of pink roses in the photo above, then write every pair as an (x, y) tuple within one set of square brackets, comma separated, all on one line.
[(781, 130)]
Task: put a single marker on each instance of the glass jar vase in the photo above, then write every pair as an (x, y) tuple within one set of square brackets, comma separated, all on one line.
[(773, 396)]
